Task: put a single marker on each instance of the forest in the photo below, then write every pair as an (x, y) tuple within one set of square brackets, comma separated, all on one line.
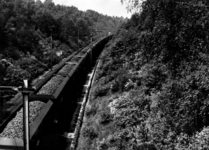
[(151, 90), (36, 35)]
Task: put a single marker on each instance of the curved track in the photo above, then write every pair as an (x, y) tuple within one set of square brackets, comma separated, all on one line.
[(57, 94)]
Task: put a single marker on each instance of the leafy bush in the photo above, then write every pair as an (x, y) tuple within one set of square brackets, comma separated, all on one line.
[(32, 66), (197, 142), (91, 111), (15, 76), (89, 132), (105, 118), (12, 52), (101, 90), (201, 140)]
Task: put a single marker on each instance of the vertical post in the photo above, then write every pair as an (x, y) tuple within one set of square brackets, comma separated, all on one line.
[(26, 116), (15, 6), (3, 104), (78, 38), (91, 51), (91, 37), (51, 52)]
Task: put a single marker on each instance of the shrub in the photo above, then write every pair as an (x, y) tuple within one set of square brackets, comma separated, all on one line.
[(15, 76), (101, 90), (89, 132), (12, 52), (105, 118), (120, 80), (32, 66), (201, 140), (91, 111)]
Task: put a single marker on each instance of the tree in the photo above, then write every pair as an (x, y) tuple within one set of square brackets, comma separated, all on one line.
[(133, 5)]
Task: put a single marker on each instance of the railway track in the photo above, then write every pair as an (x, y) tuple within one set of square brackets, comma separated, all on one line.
[(57, 94)]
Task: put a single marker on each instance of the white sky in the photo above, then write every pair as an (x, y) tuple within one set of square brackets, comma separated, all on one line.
[(107, 7)]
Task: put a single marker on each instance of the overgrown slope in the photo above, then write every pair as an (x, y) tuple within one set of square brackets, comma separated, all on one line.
[(152, 86)]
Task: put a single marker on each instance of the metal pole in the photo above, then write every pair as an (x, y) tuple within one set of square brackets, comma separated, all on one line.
[(26, 108), (78, 38), (26, 116)]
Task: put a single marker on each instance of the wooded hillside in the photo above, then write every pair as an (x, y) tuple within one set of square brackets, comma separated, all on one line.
[(27, 28), (32, 32), (152, 88)]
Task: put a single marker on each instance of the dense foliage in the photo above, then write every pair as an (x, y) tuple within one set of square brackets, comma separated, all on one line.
[(27, 28), (32, 32), (155, 73)]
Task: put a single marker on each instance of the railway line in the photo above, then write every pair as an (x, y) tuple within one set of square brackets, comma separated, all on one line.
[(55, 104)]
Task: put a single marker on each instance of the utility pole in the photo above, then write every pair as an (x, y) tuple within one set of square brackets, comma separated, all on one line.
[(15, 6), (91, 37), (91, 50), (78, 37), (51, 51)]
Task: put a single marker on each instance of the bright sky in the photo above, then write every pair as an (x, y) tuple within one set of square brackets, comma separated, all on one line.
[(106, 7)]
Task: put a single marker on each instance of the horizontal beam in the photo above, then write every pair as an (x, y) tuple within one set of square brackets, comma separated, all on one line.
[(11, 144), (43, 98)]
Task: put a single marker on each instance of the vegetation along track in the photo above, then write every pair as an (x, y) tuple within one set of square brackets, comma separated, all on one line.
[(56, 95)]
